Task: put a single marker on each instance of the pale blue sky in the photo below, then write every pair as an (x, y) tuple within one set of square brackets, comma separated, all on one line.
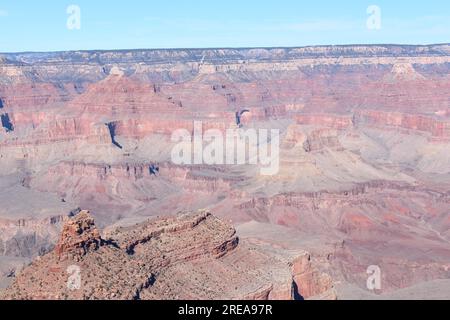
[(27, 25)]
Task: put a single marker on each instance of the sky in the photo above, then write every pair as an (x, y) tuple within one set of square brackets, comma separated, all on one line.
[(54, 25)]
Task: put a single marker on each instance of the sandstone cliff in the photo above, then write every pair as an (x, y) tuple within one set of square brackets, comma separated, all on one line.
[(193, 256), (364, 161)]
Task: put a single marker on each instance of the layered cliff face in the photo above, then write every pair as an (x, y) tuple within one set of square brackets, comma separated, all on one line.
[(153, 260), (364, 161)]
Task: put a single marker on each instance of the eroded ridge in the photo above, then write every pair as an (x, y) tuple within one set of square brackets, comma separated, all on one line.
[(139, 262)]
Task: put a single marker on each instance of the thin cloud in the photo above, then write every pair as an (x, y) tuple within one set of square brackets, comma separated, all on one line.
[(3, 13)]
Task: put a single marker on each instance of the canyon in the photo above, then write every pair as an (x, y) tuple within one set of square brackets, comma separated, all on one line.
[(363, 180), (153, 261)]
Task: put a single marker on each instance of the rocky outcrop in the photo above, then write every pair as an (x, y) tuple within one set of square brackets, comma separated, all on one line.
[(79, 236), (309, 281), (132, 241), (139, 262), (404, 72), (321, 139)]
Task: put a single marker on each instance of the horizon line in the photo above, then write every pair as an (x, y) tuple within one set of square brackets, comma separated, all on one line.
[(229, 48)]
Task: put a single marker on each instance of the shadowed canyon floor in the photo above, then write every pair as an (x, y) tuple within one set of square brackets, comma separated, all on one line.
[(364, 171)]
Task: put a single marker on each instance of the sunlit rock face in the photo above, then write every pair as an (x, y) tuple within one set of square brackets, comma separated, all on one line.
[(153, 260), (364, 154)]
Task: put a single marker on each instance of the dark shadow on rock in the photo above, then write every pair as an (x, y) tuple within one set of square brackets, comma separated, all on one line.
[(297, 295), (112, 126), (6, 123)]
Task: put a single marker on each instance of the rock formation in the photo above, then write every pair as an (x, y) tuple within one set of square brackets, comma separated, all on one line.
[(154, 260), (364, 162), (79, 237)]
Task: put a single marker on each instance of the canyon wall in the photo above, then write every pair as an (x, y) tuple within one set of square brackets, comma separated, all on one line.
[(364, 161)]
